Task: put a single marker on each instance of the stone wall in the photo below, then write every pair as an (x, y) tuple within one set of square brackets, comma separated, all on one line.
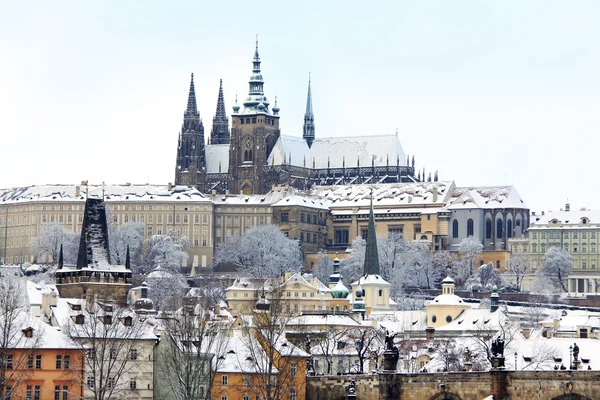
[(458, 385)]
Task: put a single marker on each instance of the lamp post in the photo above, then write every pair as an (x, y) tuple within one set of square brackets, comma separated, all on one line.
[(515, 360)]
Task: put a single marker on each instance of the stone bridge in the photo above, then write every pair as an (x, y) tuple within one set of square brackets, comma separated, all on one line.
[(548, 385)]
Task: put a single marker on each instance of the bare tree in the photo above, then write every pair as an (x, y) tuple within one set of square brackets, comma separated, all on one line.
[(485, 331), (123, 236), (556, 267), (118, 346), (263, 251), (324, 344), (541, 356), (366, 341), (277, 364), (191, 345), (469, 249), (518, 266), (47, 244), (448, 355), (15, 349)]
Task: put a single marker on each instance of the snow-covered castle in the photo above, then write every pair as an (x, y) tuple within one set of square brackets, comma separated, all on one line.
[(255, 156)]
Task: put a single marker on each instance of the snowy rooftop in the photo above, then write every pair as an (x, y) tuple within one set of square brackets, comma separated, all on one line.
[(401, 194), (372, 280), (112, 193), (267, 199), (307, 321), (44, 336), (485, 197), (566, 219), (303, 201), (367, 150)]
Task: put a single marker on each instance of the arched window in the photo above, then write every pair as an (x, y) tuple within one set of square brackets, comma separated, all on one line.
[(455, 229), (509, 228), (499, 228), (470, 227), (247, 155), (498, 264), (488, 228)]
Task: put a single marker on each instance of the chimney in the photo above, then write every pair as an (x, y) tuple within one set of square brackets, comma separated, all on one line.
[(533, 213), (77, 191), (217, 309), (543, 213), (430, 332), (494, 299), (48, 301), (435, 193), (169, 186), (567, 207)]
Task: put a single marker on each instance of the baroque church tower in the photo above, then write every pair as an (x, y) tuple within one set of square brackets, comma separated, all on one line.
[(254, 131), (309, 119), (220, 129), (191, 161)]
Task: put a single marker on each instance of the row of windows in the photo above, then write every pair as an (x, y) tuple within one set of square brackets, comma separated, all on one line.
[(565, 235), (111, 383), (159, 218), (574, 249), (307, 236)]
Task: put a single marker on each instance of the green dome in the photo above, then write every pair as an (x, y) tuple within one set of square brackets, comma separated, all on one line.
[(339, 291)]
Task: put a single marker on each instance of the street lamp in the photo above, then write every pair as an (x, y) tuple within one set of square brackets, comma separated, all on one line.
[(515, 360)]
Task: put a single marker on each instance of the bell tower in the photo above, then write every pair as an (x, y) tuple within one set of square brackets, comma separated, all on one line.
[(191, 162), (254, 131)]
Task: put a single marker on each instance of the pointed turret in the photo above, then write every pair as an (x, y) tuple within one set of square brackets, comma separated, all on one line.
[(220, 129), (127, 259), (192, 109), (309, 118), (371, 266), (256, 102), (60, 257)]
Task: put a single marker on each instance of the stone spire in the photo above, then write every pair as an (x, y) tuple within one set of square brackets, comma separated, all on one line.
[(309, 118), (256, 102), (191, 116), (127, 259), (220, 128), (371, 266), (61, 258)]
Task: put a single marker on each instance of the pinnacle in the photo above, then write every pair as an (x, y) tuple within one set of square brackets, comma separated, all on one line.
[(371, 266), (191, 106), (309, 107)]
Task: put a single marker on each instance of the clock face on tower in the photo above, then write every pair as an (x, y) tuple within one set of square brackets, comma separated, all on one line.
[(248, 143)]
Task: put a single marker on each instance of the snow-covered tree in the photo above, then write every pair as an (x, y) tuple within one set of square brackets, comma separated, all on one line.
[(353, 264), (556, 267), (168, 251), (419, 269), (120, 236), (518, 267), (263, 251), (390, 249), (469, 250), (324, 267), (166, 289), (47, 245), (485, 278)]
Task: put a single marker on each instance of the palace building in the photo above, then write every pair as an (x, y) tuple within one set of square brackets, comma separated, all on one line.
[(254, 156)]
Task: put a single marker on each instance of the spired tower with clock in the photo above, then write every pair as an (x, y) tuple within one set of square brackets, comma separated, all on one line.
[(254, 132)]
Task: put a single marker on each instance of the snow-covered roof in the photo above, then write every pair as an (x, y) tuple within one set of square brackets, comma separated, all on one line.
[(306, 321), (485, 197), (381, 150), (217, 156), (447, 299), (112, 193), (267, 199), (43, 336), (391, 195), (371, 279), (566, 220), (303, 201)]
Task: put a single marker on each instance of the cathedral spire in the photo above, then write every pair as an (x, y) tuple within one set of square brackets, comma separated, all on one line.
[(371, 266), (220, 128), (309, 118), (192, 108), (256, 102)]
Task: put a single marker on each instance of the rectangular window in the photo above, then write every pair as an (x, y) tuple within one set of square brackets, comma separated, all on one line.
[(36, 392), (29, 393), (584, 235), (301, 217), (246, 380), (205, 219), (149, 231), (30, 361), (9, 361), (364, 233), (574, 235), (150, 218), (113, 354), (584, 248), (177, 219), (67, 362), (534, 235), (159, 219), (314, 219), (132, 384), (340, 236), (584, 265), (543, 235), (111, 383), (65, 392), (224, 380), (314, 238), (302, 236), (57, 392), (170, 219), (293, 369), (133, 354), (90, 382), (185, 219), (58, 362), (593, 235), (565, 235), (285, 216)]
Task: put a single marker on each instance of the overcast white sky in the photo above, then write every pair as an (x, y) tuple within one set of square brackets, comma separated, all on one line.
[(488, 93)]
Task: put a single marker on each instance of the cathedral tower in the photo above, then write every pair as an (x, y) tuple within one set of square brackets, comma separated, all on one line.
[(254, 131), (191, 164), (220, 129), (309, 119)]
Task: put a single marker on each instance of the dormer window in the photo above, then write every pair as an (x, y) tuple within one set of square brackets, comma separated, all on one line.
[(584, 221), (28, 332), (79, 319), (107, 319), (128, 321)]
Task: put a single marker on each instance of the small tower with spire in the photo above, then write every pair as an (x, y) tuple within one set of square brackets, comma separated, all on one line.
[(376, 289), (220, 129), (309, 118), (191, 165)]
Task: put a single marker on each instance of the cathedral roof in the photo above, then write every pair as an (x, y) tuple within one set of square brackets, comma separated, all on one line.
[(217, 154), (484, 197), (339, 151)]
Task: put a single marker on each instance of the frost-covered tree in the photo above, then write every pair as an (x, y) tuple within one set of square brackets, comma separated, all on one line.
[(518, 267), (47, 245), (120, 236), (324, 267), (419, 269), (353, 264), (263, 251), (168, 251), (556, 267), (390, 250), (485, 278), (469, 250), (166, 289)]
